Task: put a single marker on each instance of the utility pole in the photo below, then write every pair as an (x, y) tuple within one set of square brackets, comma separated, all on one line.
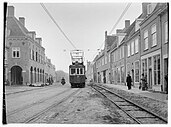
[(4, 121)]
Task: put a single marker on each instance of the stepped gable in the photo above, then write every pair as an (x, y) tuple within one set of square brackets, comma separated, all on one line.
[(16, 28)]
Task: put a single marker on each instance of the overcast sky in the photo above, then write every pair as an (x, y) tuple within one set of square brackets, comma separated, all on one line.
[(84, 24)]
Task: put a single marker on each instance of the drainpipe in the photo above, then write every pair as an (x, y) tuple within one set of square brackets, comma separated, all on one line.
[(161, 61)]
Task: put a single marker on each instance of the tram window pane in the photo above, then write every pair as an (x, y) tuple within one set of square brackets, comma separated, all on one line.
[(77, 70), (81, 71), (72, 70)]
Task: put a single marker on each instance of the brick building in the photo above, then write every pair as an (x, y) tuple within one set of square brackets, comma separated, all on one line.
[(140, 48), (26, 56), (151, 46)]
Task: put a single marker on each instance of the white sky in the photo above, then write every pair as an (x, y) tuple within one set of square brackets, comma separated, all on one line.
[(84, 24)]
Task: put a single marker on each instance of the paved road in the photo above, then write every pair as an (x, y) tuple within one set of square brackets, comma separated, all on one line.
[(22, 105)]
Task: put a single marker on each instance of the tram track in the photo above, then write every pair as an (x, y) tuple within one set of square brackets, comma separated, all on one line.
[(34, 103), (135, 111), (37, 116), (30, 112)]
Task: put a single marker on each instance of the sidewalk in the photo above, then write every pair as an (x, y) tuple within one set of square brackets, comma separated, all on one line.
[(154, 95), (23, 88), (16, 89)]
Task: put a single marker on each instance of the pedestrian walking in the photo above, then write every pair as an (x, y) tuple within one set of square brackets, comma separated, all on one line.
[(129, 80)]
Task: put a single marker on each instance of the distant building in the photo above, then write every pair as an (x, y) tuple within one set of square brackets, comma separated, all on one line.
[(26, 56), (89, 71)]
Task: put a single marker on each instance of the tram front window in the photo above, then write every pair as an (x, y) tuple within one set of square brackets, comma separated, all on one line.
[(72, 71)]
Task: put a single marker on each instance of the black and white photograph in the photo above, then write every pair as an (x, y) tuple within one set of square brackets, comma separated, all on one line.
[(85, 63)]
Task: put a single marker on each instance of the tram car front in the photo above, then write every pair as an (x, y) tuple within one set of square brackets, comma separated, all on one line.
[(77, 76)]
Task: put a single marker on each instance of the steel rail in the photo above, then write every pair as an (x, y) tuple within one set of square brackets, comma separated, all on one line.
[(135, 104), (37, 115), (136, 120)]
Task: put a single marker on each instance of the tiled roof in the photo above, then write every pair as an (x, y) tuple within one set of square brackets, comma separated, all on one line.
[(16, 28), (111, 40)]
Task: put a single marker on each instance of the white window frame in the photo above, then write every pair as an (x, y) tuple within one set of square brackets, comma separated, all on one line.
[(16, 49), (154, 35), (136, 45), (166, 32), (122, 51), (109, 57), (145, 38), (128, 50), (132, 48)]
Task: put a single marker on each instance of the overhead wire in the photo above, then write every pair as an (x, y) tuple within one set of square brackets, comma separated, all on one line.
[(123, 13), (46, 10)]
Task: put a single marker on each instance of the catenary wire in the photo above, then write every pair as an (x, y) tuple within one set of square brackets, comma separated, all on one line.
[(123, 13), (44, 7)]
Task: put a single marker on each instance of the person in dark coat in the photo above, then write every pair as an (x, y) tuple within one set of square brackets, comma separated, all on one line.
[(129, 80)]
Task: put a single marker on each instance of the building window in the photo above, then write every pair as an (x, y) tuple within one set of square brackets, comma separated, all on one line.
[(132, 48), (6, 54), (122, 51), (36, 56), (122, 74), (144, 67), (33, 54), (128, 68), (154, 35), (137, 71), (145, 39), (109, 57), (15, 52), (30, 53), (118, 75), (128, 50), (114, 56), (136, 45), (166, 32), (156, 69), (119, 54)]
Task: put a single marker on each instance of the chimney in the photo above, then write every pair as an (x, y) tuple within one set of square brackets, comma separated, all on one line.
[(32, 34), (22, 20), (39, 40), (127, 23), (10, 11), (105, 34)]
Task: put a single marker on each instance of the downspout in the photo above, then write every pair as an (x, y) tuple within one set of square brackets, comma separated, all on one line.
[(161, 61)]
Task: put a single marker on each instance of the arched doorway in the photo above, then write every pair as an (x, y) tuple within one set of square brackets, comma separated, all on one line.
[(16, 75)]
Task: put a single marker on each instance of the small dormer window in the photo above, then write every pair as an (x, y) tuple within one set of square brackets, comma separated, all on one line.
[(149, 9)]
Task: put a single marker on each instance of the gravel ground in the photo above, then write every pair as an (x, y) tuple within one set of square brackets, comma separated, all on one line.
[(158, 107), (87, 107)]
